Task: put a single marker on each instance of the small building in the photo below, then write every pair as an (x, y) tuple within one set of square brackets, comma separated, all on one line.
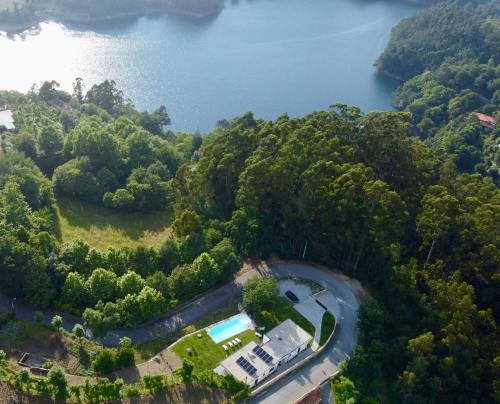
[(254, 362), (6, 119), (486, 121)]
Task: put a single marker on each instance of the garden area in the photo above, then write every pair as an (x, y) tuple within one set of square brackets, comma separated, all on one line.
[(204, 353), (151, 348)]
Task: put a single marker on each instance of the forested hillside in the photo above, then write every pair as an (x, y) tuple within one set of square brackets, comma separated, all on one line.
[(356, 192), (407, 202), (450, 31), (449, 55), (97, 147)]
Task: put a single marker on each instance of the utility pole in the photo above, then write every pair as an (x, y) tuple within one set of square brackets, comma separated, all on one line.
[(304, 253)]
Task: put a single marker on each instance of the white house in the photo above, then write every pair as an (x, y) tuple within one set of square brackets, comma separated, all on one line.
[(6, 119), (254, 362)]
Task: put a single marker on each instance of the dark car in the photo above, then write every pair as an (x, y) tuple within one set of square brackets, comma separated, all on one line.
[(292, 296)]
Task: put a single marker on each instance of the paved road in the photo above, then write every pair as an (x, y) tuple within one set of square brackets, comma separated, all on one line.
[(348, 293), (343, 301), (172, 321)]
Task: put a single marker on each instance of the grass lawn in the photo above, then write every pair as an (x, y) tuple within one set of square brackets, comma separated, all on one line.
[(206, 354), (281, 310), (101, 227), (327, 326), (149, 349)]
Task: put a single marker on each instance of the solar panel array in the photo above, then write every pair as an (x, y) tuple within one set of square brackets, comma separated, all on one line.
[(263, 354), (247, 366)]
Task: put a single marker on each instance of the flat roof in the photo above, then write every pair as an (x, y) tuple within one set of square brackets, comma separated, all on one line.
[(285, 338), (237, 371), (6, 119)]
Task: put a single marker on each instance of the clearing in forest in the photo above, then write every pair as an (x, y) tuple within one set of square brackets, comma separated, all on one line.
[(102, 228)]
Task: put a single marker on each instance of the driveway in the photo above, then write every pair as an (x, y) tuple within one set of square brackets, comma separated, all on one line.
[(344, 301), (306, 306)]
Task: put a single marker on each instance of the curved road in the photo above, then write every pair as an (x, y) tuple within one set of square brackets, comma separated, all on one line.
[(343, 300)]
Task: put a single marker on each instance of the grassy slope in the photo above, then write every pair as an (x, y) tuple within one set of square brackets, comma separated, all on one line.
[(102, 228), (327, 326)]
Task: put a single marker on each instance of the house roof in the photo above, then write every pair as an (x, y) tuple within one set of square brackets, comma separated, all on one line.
[(6, 119), (485, 118), (246, 352), (285, 338)]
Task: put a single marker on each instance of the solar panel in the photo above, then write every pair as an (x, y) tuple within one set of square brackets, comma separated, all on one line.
[(261, 353), (247, 366)]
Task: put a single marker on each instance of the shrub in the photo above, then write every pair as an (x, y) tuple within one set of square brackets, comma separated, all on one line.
[(6, 317), (131, 391), (58, 382), (104, 362), (56, 322), (38, 317), (125, 358), (153, 383), (78, 331), (259, 293), (186, 371)]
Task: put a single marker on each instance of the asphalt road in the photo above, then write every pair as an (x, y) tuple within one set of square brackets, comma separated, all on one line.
[(172, 321), (343, 300), (347, 294)]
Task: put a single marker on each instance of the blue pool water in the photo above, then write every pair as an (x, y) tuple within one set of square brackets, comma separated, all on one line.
[(230, 327)]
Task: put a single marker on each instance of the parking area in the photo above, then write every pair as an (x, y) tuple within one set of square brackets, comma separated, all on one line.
[(307, 305)]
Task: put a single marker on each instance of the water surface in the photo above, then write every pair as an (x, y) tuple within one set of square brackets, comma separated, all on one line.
[(265, 56)]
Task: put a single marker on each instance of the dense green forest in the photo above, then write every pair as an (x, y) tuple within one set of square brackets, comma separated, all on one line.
[(407, 202), (449, 56), (98, 148)]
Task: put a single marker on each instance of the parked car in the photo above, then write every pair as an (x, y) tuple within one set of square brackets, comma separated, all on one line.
[(292, 296)]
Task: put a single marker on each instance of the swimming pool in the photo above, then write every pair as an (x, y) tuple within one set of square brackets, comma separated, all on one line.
[(230, 327)]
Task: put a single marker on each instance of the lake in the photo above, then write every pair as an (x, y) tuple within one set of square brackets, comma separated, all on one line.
[(265, 56)]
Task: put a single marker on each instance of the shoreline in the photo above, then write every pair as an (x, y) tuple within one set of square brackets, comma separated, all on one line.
[(68, 18), (387, 73)]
